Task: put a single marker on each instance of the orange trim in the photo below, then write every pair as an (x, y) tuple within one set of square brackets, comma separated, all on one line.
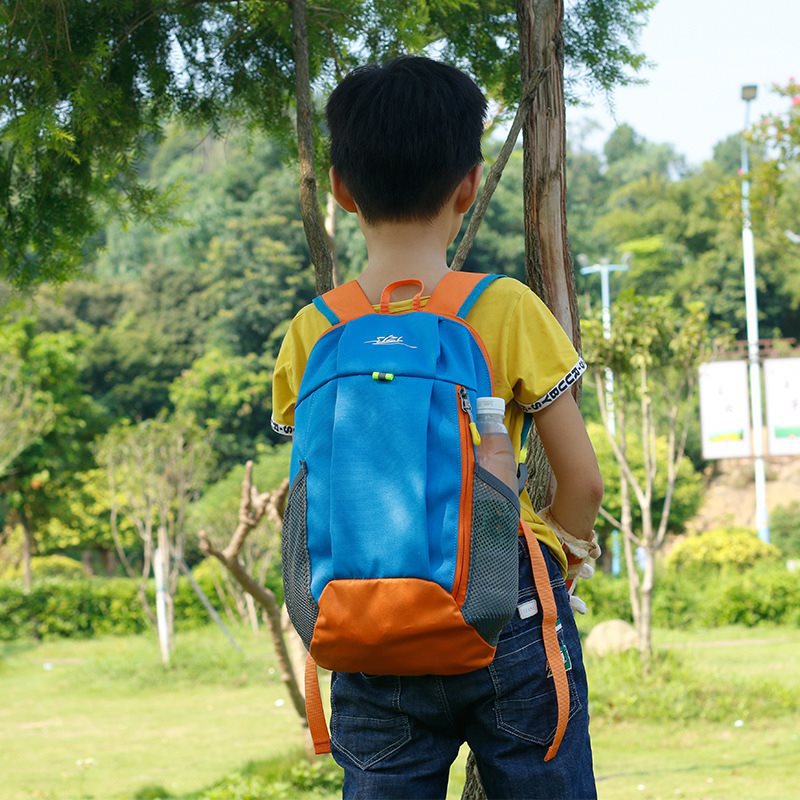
[(448, 297), (395, 626), (348, 301), (315, 714), (459, 590), (480, 344), (451, 292), (386, 294), (552, 649)]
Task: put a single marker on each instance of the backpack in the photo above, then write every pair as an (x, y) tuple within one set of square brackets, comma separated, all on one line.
[(399, 551)]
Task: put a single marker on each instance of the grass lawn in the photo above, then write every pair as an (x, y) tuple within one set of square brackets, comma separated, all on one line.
[(656, 761), (101, 719)]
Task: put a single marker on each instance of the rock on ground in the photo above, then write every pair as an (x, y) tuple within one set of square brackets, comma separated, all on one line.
[(613, 636)]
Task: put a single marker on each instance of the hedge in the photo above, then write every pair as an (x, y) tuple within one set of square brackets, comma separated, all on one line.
[(767, 593), (96, 606), (89, 607)]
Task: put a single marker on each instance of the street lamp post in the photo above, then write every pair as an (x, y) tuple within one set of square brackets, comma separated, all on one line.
[(604, 268), (751, 306)]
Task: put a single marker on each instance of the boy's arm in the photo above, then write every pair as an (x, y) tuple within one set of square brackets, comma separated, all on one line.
[(579, 488)]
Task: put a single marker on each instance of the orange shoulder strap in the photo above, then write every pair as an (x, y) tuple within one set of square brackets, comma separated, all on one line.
[(456, 293), (315, 714), (552, 649), (344, 303)]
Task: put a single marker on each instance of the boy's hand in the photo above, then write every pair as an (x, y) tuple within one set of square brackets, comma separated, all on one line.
[(580, 555)]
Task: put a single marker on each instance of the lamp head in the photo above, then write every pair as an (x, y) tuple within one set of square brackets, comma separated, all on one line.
[(749, 92)]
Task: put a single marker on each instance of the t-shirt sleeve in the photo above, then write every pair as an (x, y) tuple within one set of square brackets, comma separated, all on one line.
[(541, 355), (290, 365)]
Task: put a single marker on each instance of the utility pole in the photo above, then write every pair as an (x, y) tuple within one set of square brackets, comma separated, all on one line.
[(605, 269), (751, 309)]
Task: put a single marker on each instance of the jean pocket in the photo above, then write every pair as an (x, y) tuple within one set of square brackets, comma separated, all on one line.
[(368, 740), (525, 695), (367, 724)]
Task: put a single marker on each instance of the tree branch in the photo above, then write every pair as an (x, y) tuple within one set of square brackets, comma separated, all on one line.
[(318, 243), (496, 172), (619, 456), (609, 518), (252, 508)]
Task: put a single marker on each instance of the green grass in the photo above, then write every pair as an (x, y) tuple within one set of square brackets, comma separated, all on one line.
[(657, 761), (102, 719)]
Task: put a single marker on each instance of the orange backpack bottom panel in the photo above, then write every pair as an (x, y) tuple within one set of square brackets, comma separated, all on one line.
[(395, 626)]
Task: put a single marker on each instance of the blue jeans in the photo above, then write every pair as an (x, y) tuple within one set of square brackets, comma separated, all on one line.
[(396, 737)]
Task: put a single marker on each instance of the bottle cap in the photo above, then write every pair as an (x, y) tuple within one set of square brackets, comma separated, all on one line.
[(491, 405)]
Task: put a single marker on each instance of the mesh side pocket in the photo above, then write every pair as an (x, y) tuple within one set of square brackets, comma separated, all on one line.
[(300, 604), (492, 586)]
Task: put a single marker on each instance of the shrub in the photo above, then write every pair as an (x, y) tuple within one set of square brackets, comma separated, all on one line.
[(289, 777), (607, 597), (672, 690), (784, 529), (87, 607), (55, 566), (720, 549), (761, 595), (688, 599)]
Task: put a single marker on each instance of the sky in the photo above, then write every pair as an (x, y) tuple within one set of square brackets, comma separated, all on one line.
[(703, 51)]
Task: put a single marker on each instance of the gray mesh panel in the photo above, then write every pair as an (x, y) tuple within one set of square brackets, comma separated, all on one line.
[(493, 574), (301, 606)]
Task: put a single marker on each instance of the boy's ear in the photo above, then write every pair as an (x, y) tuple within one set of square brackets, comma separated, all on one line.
[(341, 193), (467, 190)]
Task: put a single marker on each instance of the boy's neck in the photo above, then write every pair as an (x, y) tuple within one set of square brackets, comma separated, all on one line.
[(398, 250)]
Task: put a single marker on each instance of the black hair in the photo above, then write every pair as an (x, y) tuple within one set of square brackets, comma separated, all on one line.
[(404, 135)]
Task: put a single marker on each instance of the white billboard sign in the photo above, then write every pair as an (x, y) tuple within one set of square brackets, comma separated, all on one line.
[(725, 410), (782, 384)]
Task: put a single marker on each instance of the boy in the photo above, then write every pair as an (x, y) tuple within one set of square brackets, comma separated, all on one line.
[(406, 159)]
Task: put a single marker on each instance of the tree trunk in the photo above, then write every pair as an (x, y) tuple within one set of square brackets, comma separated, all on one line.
[(28, 545), (295, 648), (163, 555), (252, 614), (330, 229), (548, 264), (318, 242), (109, 562), (646, 607)]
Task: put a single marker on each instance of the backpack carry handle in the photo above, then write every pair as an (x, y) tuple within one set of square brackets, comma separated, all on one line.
[(386, 294)]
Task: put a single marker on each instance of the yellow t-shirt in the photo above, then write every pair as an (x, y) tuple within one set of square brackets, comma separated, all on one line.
[(533, 362)]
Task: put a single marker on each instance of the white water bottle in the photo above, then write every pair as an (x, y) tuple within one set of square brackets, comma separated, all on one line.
[(495, 453)]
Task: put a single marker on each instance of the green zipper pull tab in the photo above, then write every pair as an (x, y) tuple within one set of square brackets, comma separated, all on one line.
[(466, 407)]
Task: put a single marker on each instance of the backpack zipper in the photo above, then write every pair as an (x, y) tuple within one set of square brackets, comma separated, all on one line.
[(469, 439)]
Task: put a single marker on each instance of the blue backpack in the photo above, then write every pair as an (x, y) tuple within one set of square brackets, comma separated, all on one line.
[(399, 550)]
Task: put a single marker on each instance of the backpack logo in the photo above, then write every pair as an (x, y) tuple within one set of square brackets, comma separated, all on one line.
[(389, 340)]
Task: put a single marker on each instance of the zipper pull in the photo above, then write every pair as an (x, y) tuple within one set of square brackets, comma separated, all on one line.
[(466, 407)]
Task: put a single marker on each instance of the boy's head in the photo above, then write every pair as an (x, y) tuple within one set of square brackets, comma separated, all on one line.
[(404, 135)]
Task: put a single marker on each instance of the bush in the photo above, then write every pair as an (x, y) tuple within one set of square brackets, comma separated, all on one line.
[(718, 550), (687, 599), (289, 777), (672, 690), (607, 597), (55, 566), (784, 529), (88, 607), (762, 595)]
